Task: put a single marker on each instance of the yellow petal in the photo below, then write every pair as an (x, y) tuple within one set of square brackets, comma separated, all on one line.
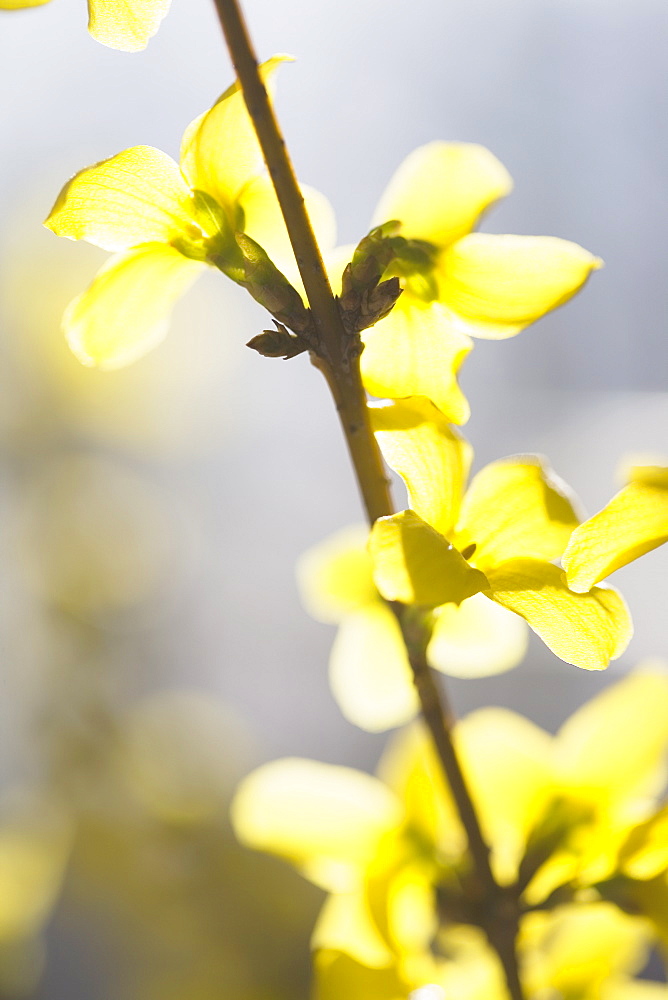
[(508, 762), (345, 924), (220, 153), (515, 508), (650, 475), (137, 196), (587, 630), (338, 975), (477, 639), (264, 222), (634, 522), (412, 921), (328, 820), (20, 4), (644, 855), (416, 352), (125, 312), (409, 767), (125, 24), (622, 988), (578, 947), (32, 865), (432, 459), (369, 672), (497, 285), (336, 576), (415, 565), (441, 189), (604, 749)]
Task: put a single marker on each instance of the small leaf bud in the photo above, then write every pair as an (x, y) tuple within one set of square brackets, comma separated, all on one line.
[(278, 343)]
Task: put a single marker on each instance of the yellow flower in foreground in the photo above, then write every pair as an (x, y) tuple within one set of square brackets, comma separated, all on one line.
[(458, 283), (390, 850), (499, 538), (116, 23), (370, 676), (166, 224)]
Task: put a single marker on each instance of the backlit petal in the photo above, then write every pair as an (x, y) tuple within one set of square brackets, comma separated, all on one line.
[(644, 855), (415, 565), (346, 924), (634, 522), (220, 152), (338, 975), (410, 767), (370, 675), (432, 459), (441, 189), (125, 24), (477, 639), (515, 508), (574, 949), (324, 818), (416, 352), (336, 576), (125, 312), (633, 989), (603, 749), (507, 760), (138, 196), (20, 4), (263, 221), (587, 630), (497, 285)]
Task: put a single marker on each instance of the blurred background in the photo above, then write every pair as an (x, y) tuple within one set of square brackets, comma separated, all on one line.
[(153, 644)]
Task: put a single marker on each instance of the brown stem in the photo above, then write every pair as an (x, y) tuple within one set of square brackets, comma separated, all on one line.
[(340, 369), (496, 907), (340, 366)]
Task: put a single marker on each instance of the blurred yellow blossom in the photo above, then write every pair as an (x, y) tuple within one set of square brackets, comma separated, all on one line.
[(400, 870), (166, 224), (369, 671), (97, 540), (35, 841), (117, 23)]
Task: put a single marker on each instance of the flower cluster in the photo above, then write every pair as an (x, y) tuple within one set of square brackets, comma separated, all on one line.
[(577, 836), (575, 828)]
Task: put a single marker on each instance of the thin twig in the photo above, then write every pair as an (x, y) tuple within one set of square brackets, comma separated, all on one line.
[(341, 369)]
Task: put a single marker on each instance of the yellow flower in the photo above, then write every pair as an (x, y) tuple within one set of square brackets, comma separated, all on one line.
[(390, 850), (166, 224), (458, 283), (499, 538), (586, 952), (369, 672), (116, 23)]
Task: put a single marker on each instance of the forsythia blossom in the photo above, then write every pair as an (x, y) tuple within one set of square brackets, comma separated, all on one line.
[(369, 672), (502, 536), (116, 23), (166, 223), (514, 520), (458, 283), (391, 853)]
